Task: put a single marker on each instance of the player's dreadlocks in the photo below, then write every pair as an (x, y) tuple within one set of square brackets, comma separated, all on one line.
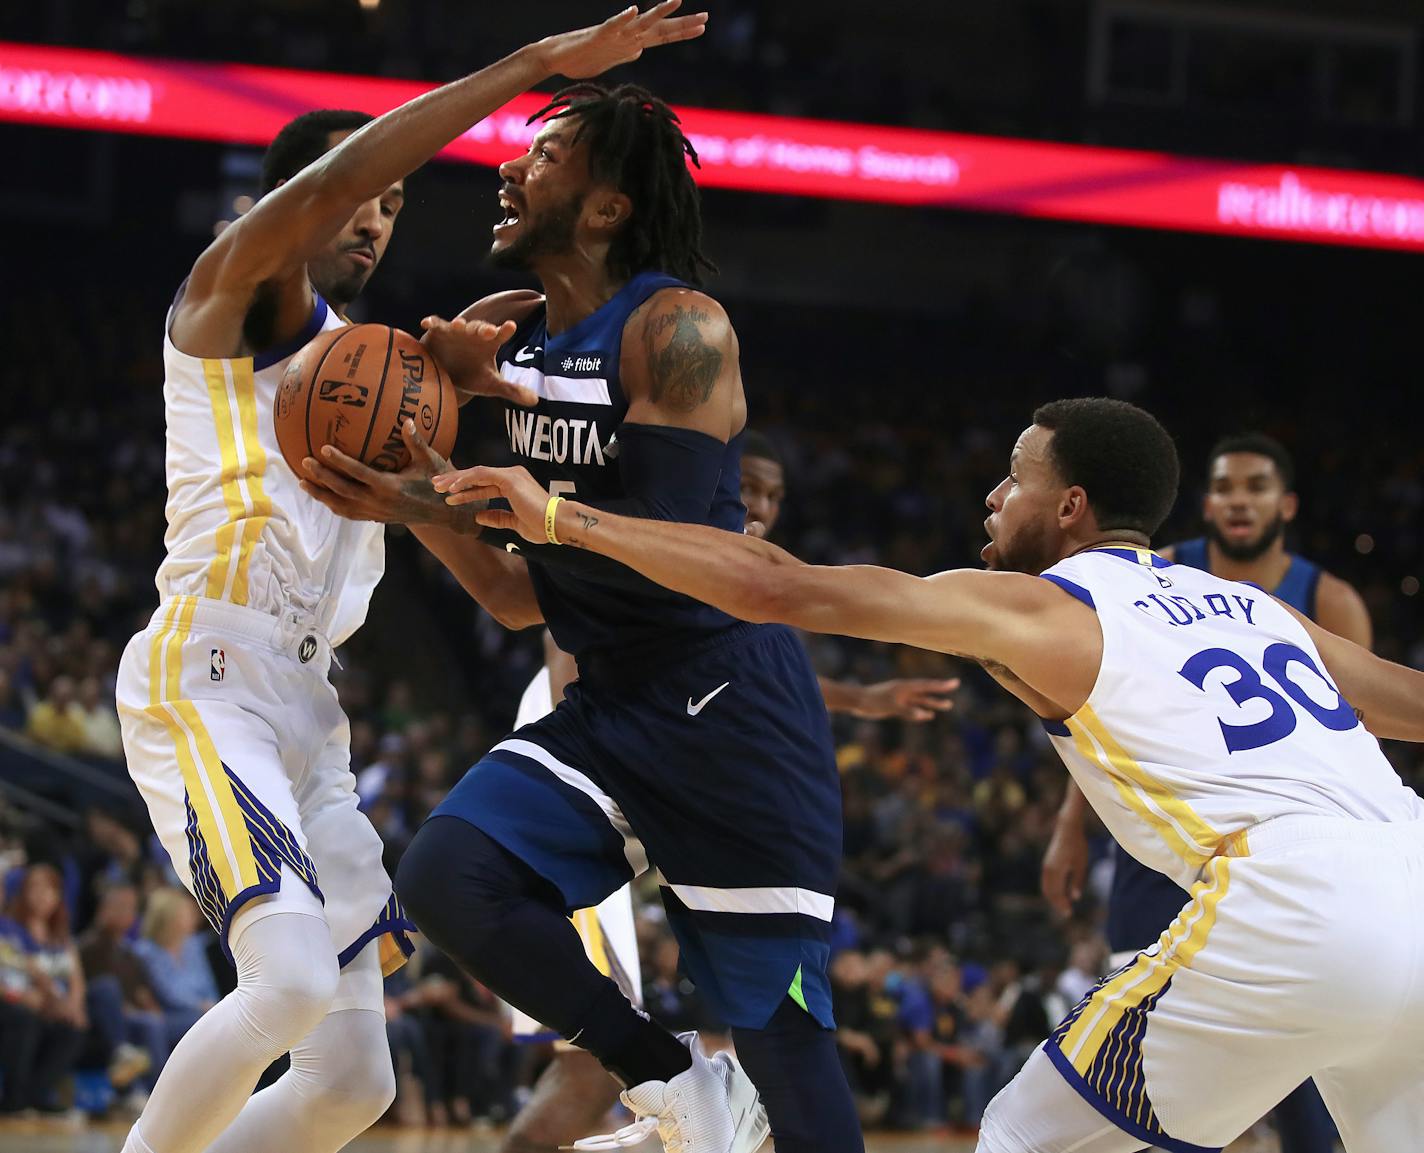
[(635, 143)]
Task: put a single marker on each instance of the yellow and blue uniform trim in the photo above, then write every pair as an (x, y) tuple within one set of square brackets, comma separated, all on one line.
[(236, 846), (1098, 1046), (392, 926)]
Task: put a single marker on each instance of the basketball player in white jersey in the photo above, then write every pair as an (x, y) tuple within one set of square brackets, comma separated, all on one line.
[(232, 731), (1222, 737)]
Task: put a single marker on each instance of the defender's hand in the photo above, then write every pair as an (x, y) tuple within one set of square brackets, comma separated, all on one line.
[(479, 485), (618, 40), (357, 492), (1065, 866), (905, 700), (466, 350)]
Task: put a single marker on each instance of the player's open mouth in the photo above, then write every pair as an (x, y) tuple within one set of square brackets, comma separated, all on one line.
[(511, 213)]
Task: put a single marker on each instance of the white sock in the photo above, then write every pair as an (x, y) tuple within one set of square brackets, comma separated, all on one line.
[(286, 979)]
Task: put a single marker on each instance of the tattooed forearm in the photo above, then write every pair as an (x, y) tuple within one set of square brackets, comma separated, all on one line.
[(576, 538), (684, 370)]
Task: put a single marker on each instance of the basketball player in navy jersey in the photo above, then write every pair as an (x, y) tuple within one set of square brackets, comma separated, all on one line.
[(690, 742), (1250, 500)]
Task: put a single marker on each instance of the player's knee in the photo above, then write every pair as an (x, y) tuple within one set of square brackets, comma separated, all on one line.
[(354, 1092), (454, 881), (281, 1004)]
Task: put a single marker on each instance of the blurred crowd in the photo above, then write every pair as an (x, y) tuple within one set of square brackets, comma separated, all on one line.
[(948, 966)]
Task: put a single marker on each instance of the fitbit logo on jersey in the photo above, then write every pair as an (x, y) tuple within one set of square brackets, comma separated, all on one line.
[(541, 437), (412, 375)]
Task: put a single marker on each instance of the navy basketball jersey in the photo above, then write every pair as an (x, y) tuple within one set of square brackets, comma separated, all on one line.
[(1143, 901), (1297, 588), (569, 444)]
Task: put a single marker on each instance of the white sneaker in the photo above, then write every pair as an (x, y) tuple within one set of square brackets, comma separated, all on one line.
[(713, 1107)]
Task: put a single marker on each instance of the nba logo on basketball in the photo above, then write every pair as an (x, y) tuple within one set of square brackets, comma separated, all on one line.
[(217, 665)]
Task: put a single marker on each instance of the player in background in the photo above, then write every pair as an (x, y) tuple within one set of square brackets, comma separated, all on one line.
[(575, 1093), (690, 741), (1250, 500), (1222, 736), (232, 731)]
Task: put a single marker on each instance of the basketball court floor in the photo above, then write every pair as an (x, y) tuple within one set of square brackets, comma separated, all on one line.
[(33, 1138)]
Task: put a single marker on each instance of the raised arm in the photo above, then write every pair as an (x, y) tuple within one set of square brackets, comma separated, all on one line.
[(273, 242)]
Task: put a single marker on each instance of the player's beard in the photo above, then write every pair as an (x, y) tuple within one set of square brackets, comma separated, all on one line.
[(1244, 552), (550, 235), (1026, 551), (337, 285)]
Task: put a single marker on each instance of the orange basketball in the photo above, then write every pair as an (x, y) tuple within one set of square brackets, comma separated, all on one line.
[(353, 388)]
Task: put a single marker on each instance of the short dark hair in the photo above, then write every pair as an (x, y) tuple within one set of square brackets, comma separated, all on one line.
[(1258, 444), (758, 444), (635, 143), (303, 140), (1121, 456)]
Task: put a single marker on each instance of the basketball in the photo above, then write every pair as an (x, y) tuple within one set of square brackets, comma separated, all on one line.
[(354, 388)]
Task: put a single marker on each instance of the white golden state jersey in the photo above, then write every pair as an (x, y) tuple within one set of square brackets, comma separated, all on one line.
[(1212, 712), (239, 529)]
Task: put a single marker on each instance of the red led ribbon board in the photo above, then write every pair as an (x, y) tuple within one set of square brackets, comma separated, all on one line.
[(245, 104)]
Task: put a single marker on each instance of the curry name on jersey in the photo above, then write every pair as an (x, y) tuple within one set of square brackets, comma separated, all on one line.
[(1212, 712)]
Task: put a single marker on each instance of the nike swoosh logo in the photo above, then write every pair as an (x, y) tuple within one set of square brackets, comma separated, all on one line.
[(512, 547), (520, 358), (693, 710)]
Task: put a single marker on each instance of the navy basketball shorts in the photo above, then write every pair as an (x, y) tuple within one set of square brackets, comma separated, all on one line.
[(715, 768)]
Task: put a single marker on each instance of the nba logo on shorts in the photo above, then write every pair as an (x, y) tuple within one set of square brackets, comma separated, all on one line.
[(217, 665)]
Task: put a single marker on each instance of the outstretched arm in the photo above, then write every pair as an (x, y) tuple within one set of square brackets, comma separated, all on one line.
[(1005, 620), (287, 228)]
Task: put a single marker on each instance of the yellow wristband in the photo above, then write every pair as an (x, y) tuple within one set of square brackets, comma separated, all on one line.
[(551, 510)]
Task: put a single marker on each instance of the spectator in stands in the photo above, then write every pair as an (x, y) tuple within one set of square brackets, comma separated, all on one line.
[(108, 853), (406, 1036), (1087, 961), (100, 720), (174, 954), (471, 1054), (42, 1014), (123, 1007), (57, 721), (864, 1056)]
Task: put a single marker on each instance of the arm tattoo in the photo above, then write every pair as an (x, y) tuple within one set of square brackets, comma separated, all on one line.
[(586, 522), (684, 372)]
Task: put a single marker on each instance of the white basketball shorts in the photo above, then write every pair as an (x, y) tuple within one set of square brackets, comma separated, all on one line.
[(237, 742), (1300, 954)]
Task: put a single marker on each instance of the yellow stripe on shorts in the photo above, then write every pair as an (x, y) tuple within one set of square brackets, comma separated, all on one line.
[(220, 822), (594, 943), (1086, 1042)]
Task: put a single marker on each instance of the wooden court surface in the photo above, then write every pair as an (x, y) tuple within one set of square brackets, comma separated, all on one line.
[(35, 1138)]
